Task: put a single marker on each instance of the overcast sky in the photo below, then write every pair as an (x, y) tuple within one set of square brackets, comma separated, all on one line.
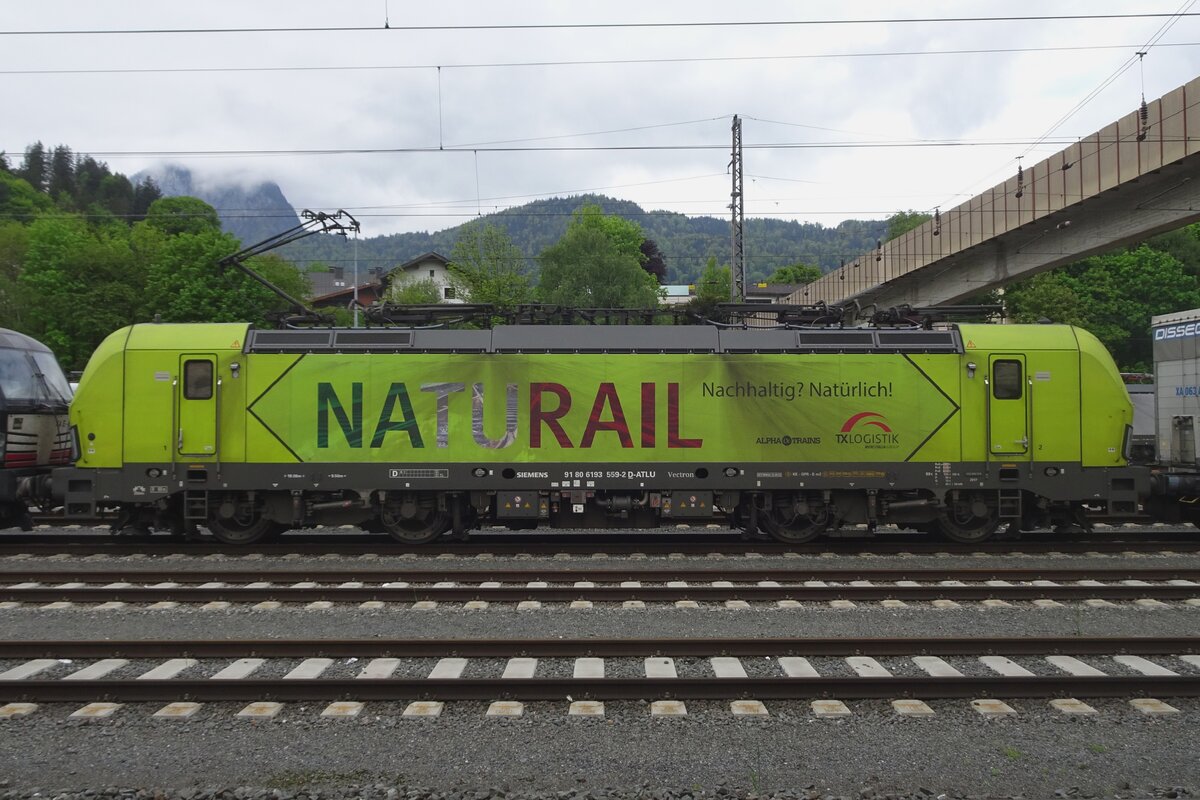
[(129, 96)]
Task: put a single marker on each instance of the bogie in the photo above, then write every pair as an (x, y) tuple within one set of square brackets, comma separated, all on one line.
[(237, 518), (414, 518), (968, 519)]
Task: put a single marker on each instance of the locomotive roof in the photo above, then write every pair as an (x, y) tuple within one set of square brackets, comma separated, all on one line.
[(19, 341), (599, 339), (603, 339)]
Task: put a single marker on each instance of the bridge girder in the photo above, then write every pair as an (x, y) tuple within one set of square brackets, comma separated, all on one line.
[(1157, 202)]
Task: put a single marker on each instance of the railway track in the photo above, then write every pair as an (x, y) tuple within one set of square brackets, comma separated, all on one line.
[(604, 669), (598, 585), (683, 543)]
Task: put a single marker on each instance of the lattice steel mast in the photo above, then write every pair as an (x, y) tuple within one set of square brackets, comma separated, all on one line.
[(737, 266)]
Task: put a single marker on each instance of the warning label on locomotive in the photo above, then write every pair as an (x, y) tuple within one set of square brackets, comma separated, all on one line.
[(447, 408)]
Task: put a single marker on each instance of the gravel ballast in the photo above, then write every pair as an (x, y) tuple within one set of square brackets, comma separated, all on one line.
[(545, 755)]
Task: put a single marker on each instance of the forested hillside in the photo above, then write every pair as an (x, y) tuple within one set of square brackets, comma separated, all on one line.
[(687, 243), (85, 250)]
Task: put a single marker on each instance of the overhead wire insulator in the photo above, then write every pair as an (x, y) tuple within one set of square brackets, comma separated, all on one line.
[(1143, 110), (1020, 182), (937, 222)]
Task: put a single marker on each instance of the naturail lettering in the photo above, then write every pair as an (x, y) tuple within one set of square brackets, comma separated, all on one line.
[(546, 411), (793, 391)]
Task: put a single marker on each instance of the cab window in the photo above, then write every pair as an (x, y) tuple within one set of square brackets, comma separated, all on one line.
[(197, 380), (1007, 383)]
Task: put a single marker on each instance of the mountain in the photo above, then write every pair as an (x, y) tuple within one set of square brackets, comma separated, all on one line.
[(251, 214), (687, 243)]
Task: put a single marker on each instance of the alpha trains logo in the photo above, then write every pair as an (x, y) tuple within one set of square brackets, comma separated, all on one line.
[(868, 429)]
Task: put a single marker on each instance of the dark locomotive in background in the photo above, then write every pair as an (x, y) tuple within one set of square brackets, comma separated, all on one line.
[(34, 430)]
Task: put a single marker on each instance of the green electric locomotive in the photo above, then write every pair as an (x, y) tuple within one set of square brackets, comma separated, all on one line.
[(425, 432)]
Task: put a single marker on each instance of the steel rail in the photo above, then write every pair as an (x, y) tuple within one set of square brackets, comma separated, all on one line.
[(355, 594), (562, 689), (354, 545), (612, 648), (564, 573)]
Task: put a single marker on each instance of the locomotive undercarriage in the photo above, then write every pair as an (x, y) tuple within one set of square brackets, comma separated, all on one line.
[(790, 503), (416, 517)]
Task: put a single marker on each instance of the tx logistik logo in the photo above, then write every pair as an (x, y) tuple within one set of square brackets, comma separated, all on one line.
[(855, 431)]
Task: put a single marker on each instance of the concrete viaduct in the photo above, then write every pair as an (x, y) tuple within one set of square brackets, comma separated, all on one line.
[(1130, 180)]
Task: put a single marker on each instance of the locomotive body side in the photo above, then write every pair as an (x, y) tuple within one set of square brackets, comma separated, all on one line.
[(34, 396), (420, 432)]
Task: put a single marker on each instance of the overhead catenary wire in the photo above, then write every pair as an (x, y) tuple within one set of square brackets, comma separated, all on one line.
[(333, 151), (1121, 70), (1181, 12), (94, 70), (486, 147), (559, 26)]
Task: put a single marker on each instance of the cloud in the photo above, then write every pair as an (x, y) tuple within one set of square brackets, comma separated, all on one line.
[(844, 99)]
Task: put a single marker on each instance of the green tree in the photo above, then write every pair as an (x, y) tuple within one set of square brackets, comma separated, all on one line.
[(145, 193), (795, 273), (34, 167), (1112, 295), (283, 274), (82, 284), (902, 222), (714, 287), (184, 284), (173, 215), (415, 292), (653, 260), (1049, 296), (486, 267), (62, 176), (587, 269), (1183, 244), (626, 236), (14, 242), (19, 200)]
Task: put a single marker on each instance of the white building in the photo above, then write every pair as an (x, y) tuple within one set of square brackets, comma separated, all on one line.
[(427, 267)]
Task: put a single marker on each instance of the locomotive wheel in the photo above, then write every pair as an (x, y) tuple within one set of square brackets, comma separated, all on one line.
[(423, 526), (246, 525), (792, 528), (959, 524)]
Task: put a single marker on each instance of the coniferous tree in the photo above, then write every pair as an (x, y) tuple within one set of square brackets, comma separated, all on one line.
[(144, 195), (61, 181), (653, 260), (33, 167)]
